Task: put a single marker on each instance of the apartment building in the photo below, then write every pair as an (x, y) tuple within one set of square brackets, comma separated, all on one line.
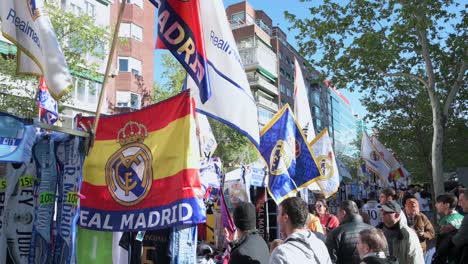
[(133, 67), (252, 31)]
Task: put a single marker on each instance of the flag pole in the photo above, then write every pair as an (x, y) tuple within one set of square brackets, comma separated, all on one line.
[(109, 64)]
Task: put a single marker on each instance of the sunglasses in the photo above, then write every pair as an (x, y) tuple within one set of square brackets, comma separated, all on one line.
[(319, 205)]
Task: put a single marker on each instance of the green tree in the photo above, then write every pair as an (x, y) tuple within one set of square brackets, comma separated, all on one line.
[(233, 147), (371, 45), (79, 38), (172, 79)]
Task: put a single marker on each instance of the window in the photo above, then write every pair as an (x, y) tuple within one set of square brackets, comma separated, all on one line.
[(264, 115), (281, 71), (90, 9), (283, 88), (76, 9), (123, 65), (288, 76), (130, 30), (81, 89), (135, 101), (289, 92), (136, 32), (129, 64), (94, 91), (238, 18)]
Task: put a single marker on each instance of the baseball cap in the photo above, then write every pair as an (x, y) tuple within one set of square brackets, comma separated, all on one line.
[(391, 207)]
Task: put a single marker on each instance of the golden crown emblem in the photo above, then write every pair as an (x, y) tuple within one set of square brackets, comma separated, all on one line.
[(132, 132)]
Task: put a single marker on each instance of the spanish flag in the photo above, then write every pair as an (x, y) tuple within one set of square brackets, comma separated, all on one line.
[(143, 170)]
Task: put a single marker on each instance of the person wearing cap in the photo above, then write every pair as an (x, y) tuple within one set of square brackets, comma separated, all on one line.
[(300, 245), (250, 247), (403, 242)]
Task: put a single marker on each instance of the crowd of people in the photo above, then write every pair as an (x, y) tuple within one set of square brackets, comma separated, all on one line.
[(394, 229)]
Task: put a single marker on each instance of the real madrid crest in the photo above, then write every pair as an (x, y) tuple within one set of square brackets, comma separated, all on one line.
[(36, 8), (374, 156), (129, 173), (281, 157), (326, 166)]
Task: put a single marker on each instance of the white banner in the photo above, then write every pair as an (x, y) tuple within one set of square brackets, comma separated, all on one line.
[(373, 159), (27, 24), (231, 101), (301, 103), (387, 156), (206, 138), (323, 150)]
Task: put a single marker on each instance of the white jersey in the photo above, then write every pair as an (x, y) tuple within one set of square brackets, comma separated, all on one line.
[(373, 209)]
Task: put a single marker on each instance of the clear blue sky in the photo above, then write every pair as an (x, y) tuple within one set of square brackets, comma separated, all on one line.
[(275, 10)]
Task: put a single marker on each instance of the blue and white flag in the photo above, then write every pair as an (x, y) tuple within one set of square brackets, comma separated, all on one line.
[(231, 100), (291, 163), (343, 169), (48, 111), (26, 23)]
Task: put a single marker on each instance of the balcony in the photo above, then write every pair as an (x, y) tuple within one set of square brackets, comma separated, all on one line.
[(267, 103), (257, 81), (260, 56)]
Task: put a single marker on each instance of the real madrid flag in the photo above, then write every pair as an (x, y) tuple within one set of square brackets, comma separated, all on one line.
[(291, 163), (323, 150), (373, 159), (143, 170), (27, 24)]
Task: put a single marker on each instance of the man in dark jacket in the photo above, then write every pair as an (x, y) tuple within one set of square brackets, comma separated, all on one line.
[(250, 247), (341, 241)]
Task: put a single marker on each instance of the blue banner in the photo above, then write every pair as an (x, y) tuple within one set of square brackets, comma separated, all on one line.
[(291, 163)]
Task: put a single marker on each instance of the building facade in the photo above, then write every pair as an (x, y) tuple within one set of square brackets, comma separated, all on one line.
[(252, 31), (133, 65)]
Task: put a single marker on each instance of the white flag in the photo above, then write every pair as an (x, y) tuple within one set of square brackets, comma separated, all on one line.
[(206, 138), (323, 150), (373, 159), (387, 156), (301, 103), (231, 101), (27, 24)]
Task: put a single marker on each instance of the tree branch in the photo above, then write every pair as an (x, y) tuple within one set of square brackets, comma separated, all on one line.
[(456, 85), (409, 75), (429, 68)]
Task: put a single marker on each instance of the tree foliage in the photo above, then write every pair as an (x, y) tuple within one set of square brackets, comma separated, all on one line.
[(172, 78), (233, 147), (380, 47)]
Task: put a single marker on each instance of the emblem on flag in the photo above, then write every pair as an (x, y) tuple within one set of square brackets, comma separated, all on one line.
[(128, 170), (292, 165), (35, 10)]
